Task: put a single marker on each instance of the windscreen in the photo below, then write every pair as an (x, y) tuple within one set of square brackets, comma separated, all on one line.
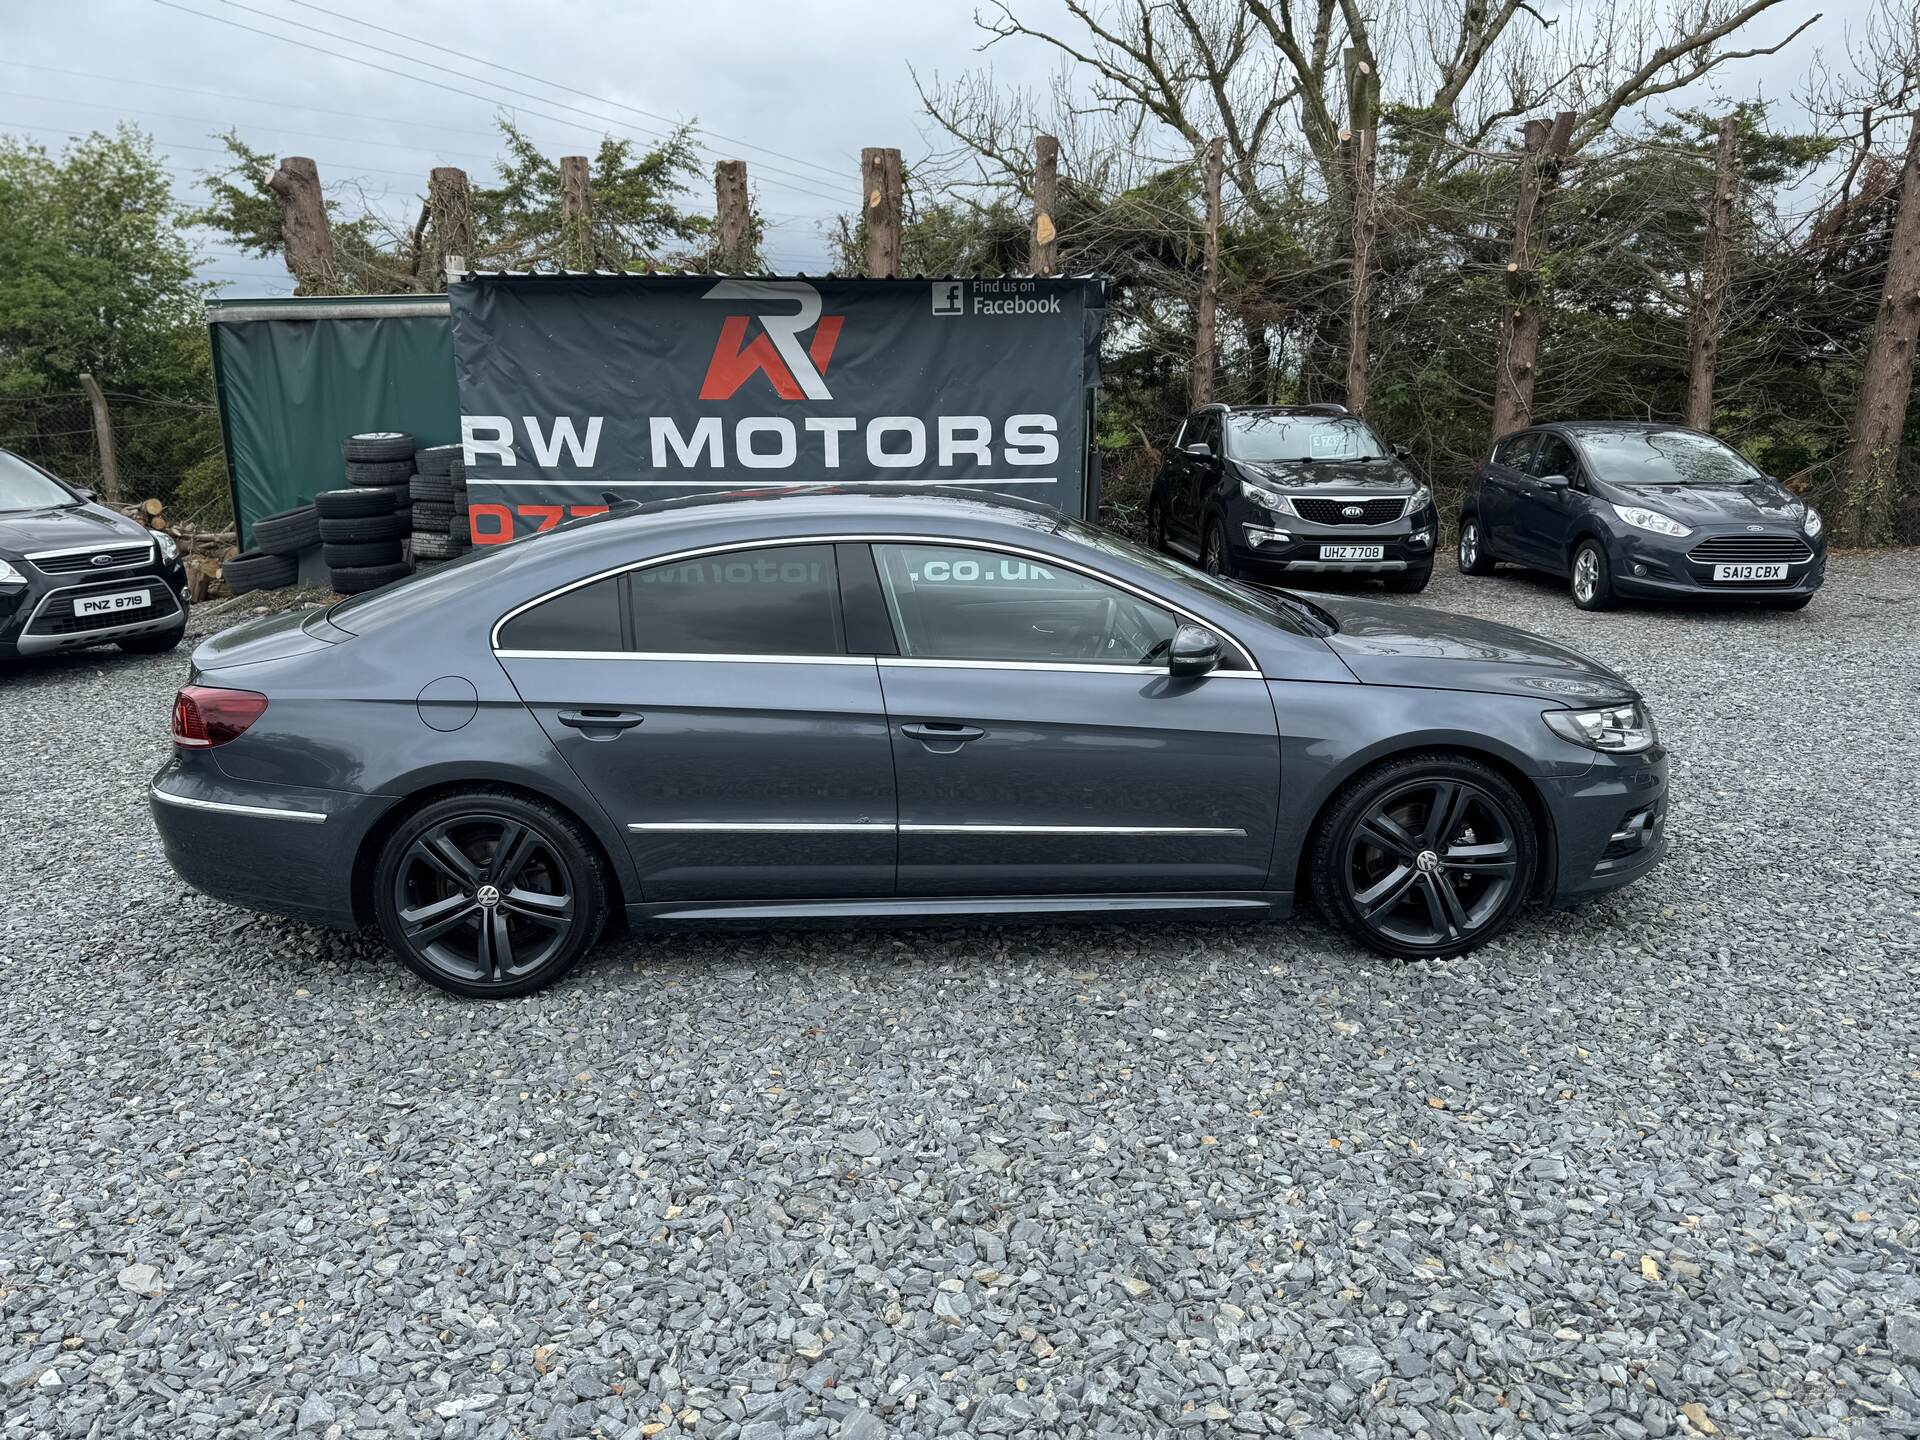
[(1302, 437), (22, 487), (1663, 457)]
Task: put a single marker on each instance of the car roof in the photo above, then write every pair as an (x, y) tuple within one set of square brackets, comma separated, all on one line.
[(1624, 427)]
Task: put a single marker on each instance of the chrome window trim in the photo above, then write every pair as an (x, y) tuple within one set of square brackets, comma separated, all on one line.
[(147, 549), (264, 812), (914, 662), (1243, 655), (684, 655), (805, 827), (152, 612)]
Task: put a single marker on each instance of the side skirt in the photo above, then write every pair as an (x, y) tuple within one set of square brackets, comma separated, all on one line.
[(1017, 909)]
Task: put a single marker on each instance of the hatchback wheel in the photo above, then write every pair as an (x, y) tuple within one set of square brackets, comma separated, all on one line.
[(1429, 855), (1592, 583), (1472, 551), (487, 893)]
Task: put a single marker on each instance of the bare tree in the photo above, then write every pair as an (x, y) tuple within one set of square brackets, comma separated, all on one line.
[(1710, 297)]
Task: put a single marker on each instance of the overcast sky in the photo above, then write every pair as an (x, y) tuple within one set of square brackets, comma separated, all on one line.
[(793, 89)]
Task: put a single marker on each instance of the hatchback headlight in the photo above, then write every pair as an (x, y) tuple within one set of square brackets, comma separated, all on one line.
[(1267, 499), (1811, 523), (1418, 501), (1618, 729), (165, 543), (1653, 520), (10, 576)]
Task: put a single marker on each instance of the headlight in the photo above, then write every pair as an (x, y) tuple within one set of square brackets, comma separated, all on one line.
[(1812, 523), (1419, 501), (1650, 520), (169, 550), (1267, 499), (10, 576), (1620, 729)]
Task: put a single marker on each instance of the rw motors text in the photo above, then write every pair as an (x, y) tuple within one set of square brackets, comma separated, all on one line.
[(775, 442)]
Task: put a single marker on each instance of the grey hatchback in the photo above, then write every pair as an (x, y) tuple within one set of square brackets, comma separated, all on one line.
[(886, 705)]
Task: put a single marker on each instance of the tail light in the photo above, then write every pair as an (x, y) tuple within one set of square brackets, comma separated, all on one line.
[(204, 716)]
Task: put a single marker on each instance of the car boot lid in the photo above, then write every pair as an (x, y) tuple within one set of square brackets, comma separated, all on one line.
[(271, 637)]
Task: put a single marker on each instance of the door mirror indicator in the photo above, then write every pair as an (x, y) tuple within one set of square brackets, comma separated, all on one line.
[(1195, 651), (1200, 450), (1553, 482)]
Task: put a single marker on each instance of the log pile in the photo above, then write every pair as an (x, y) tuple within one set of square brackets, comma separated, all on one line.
[(201, 551)]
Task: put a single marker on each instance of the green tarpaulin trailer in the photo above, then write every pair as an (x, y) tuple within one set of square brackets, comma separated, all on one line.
[(295, 377)]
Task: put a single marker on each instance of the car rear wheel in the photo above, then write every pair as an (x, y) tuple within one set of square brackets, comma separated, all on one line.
[(487, 893), (1592, 582), (1426, 855), (1472, 550)]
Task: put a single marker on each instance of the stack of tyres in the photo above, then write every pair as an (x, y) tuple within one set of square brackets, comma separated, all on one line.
[(274, 561), (360, 534), (460, 529), (438, 476), (381, 460)]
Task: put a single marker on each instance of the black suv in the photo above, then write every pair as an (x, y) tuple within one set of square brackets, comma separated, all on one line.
[(1277, 492), (1632, 509), (73, 573)]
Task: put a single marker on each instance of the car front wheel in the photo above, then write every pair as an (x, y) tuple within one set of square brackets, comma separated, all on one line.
[(488, 893), (1215, 558), (1592, 582), (1425, 855)]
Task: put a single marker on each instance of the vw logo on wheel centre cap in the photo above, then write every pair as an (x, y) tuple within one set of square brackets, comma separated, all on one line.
[(488, 895)]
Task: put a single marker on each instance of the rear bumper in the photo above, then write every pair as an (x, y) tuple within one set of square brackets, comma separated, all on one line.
[(1610, 822), (281, 849)]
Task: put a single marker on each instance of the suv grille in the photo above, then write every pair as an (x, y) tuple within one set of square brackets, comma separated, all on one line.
[(56, 617), (81, 561), (1740, 549), (1323, 511)]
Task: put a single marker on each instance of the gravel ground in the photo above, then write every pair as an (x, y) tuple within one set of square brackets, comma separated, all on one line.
[(1644, 1168)]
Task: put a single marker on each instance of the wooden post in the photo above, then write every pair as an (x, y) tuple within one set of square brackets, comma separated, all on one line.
[(1362, 92), (1044, 248), (880, 186), (735, 216), (1206, 312), (307, 235), (576, 214), (450, 206), (1545, 148), (103, 435), (1886, 379), (1703, 343)]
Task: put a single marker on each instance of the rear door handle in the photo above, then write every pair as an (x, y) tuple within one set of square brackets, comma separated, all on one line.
[(591, 720), (942, 732)]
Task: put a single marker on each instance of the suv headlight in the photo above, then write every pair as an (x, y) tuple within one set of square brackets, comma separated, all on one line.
[(10, 576), (1652, 520), (1267, 499), (1418, 501), (1812, 523), (1618, 729), (166, 545)]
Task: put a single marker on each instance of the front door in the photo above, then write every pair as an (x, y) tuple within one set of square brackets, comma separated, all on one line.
[(1543, 515), (709, 703), (1040, 747), (1195, 478)]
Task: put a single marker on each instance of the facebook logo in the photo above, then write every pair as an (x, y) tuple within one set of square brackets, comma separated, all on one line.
[(946, 297)]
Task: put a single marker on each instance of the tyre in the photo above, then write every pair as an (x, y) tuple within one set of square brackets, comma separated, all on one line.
[(1424, 855), (459, 470), (487, 893), (367, 527), (354, 579), (432, 516), (430, 546), (1215, 557), (1408, 582), (1592, 581), (255, 570), (287, 533), (379, 446), (1472, 549), (436, 460), (432, 489), (351, 553), (355, 504), (397, 472), (155, 644), (460, 527)]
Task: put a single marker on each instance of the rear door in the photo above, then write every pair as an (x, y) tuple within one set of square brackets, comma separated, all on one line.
[(1040, 747), (709, 702), (1506, 472)]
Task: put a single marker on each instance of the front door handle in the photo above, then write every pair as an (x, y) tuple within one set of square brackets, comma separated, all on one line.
[(592, 720), (940, 732)]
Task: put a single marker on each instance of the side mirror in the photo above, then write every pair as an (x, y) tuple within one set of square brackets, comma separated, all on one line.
[(1553, 482), (1195, 651), (90, 496), (1200, 450), (1401, 452)]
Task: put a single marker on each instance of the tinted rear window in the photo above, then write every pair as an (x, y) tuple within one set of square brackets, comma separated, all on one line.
[(583, 619), (781, 600)]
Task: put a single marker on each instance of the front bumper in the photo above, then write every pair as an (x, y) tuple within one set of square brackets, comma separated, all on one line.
[(39, 618), (1610, 822), (1663, 567), (1271, 546)]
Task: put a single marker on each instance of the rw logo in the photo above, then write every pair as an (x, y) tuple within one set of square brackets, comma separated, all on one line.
[(796, 371)]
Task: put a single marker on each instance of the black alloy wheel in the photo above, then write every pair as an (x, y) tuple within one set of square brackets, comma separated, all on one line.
[(1214, 558), (1430, 855), (490, 894)]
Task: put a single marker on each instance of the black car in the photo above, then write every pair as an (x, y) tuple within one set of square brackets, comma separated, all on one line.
[(1658, 511), (1283, 492), (74, 573), (890, 705)]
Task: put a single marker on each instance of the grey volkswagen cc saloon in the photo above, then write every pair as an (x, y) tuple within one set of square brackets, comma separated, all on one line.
[(886, 705)]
